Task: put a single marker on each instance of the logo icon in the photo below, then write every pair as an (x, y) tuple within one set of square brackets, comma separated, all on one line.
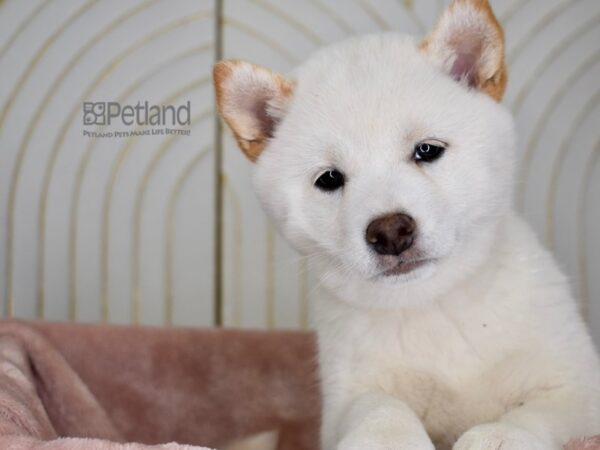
[(94, 113)]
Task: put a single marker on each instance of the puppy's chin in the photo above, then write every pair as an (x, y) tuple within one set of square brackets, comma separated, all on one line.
[(410, 285), (407, 272), (413, 286)]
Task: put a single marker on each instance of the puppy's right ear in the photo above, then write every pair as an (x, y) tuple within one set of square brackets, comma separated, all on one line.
[(468, 44), (252, 100)]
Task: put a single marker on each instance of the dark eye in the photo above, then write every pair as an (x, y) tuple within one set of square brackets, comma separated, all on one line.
[(330, 180), (428, 151)]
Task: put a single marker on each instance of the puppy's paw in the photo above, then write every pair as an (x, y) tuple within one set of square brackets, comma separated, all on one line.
[(388, 443), (498, 436)]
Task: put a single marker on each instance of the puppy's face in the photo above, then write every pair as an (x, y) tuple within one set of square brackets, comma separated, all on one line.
[(385, 160)]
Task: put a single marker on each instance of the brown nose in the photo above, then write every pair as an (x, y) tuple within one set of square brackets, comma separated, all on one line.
[(391, 234)]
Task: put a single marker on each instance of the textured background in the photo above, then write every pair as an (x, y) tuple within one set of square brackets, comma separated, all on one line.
[(166, 229)]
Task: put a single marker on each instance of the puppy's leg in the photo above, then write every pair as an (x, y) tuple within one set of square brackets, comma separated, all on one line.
[(544, 423), (381, 422)]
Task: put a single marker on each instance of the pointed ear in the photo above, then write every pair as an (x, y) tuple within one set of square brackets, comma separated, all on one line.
[(468, 43), (251, 100)]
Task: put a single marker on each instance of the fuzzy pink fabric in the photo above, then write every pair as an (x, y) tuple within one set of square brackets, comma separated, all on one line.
[(154, 385), (39, 394), (85, 387), (585, 444)]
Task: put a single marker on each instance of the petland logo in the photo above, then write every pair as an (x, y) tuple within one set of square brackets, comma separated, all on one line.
[(142, 114)]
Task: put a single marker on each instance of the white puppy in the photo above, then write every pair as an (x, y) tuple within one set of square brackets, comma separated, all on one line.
[(390, 163)]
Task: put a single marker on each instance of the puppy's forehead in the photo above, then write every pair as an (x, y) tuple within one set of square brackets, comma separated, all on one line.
[(363, 65), (368, 81), (380, 94)]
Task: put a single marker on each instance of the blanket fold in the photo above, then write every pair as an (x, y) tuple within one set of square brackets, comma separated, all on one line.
[(42, 398), (65, 386)]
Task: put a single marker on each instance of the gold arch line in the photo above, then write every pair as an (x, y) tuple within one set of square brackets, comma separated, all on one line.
[(310, 35), (82, 169), (555, 53), (108, 68), (38, 55), (170, 231), (238, 240), (551, 106), (137, 213), (382, 23), (333, 16), (373, 15), (408, 6), (261, 37), (24, 24), (270, 277), (586, 110), (106, 204), (581, 230), (511, 12), (539, 26), (25, 144)]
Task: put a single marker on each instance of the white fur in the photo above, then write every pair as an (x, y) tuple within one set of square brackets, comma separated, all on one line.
[(481, 349)]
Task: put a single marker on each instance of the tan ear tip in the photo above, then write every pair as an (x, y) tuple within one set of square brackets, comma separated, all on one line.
[(473, 2), (222, 70), (482, 6), (477, 4)]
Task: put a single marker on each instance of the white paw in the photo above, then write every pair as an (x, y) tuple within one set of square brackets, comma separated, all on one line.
[(498, 436), (399, 443)]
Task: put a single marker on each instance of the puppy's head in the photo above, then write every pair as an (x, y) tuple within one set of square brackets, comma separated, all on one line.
[(387, 160)]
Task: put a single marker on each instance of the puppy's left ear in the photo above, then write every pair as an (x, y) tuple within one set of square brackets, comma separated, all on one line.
[(468, 43), (252, 100)]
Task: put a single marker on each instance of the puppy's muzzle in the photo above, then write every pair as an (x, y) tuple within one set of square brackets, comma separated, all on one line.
[(391, 234)]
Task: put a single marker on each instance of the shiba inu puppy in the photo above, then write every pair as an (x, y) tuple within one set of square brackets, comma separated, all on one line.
[(390, 163)]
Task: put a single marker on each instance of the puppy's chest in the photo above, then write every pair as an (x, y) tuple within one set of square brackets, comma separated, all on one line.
[(452, 375)]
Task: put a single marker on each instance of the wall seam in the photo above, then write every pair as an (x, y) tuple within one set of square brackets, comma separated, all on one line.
[(218, 182)]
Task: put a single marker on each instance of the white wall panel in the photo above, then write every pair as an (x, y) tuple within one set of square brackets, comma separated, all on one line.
[(85, 228)]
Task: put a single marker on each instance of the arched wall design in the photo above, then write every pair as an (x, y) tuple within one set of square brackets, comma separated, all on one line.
[(95, 208), (166, 229)]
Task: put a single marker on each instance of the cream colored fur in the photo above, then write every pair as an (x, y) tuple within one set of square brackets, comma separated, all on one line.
[(480, 348), (260, 441)]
